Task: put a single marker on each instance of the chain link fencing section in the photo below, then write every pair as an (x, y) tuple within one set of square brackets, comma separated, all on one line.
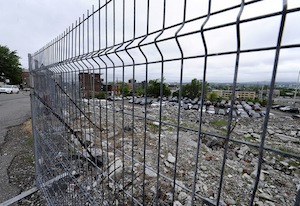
[(98, 141)]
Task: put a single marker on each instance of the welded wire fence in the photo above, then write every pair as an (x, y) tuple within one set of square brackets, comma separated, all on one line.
[(118, 121)]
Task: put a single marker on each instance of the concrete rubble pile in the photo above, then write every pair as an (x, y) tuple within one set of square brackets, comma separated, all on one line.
[(155, 143)]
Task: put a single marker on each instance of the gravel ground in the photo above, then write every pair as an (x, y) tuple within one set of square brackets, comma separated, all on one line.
[(19, 143)]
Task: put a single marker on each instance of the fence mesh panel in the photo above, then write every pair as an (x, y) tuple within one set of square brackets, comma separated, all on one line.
[(108, 132)]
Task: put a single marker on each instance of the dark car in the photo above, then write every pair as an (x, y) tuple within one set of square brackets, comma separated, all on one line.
[(294, 110), (296, 116)]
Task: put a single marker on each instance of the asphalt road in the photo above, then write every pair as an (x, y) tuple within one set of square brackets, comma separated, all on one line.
[(14, 110)]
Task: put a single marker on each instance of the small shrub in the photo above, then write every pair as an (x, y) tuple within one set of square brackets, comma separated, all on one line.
[(101, 95)]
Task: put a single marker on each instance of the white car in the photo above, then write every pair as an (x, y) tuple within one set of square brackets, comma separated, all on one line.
[(9, 89), (211, 110), (284, 109)]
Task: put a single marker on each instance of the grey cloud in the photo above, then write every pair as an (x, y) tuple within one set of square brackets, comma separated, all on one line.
[(30, 24)]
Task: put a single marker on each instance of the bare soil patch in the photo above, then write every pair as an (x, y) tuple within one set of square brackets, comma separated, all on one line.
[(19, 142)]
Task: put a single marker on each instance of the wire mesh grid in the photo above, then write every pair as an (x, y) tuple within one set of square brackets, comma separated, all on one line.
[(102, 141)]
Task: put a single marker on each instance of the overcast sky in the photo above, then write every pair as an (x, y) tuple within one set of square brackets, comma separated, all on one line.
[(27, 25)]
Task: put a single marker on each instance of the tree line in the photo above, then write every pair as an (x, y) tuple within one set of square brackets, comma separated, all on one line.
[(156, 88), (10, 66)]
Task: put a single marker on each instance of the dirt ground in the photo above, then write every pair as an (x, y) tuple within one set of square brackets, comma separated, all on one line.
[(19, 143)]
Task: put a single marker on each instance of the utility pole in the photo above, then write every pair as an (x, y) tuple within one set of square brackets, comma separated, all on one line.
[(261, 92)]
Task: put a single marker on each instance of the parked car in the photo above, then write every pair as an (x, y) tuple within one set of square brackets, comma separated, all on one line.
[(263, 113), (294, 110), (222, 103), (277, 106), (174, 99), (203, 109), (114, 98), (196, 107), (221, 112), (256, 107), (244, 114), (137, 101), (296, 116), (143, 101), (252, 113), (195, 101), (257, 103), (155, 104), (9, 89), (250, 103), (285, 109), (239, 106), (234, 113), (211, 110), (247, 107), (131, 100), (185, 106)]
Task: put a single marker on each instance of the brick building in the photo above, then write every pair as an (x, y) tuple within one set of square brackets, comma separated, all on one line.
[(90, 82), (25, 79)]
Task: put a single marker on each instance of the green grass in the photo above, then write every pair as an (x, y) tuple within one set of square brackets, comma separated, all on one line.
[(288, 150), (170, 128), (248, 138), (224, 131), (184, 124), (219, 123), (152, 127), (30, 158), (294, 163), (189, 125), (30, 141)]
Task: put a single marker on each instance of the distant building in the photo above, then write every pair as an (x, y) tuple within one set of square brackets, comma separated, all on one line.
[(218, 92), (131, 83), (173, 87), (276, 93), (226, 94), (245, 94), (25, 79), (112, 89), (90, 83)]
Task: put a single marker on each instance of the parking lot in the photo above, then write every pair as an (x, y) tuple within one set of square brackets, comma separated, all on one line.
[(241, 109)]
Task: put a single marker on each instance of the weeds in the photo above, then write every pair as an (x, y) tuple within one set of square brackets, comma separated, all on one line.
[(219, 123)]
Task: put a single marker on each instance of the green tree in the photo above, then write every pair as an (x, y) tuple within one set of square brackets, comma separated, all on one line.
[(10, 66), (101, 95), (139, 91), (176, 93), (192, 90), (212, 96), (126, 89), (154, 89)]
